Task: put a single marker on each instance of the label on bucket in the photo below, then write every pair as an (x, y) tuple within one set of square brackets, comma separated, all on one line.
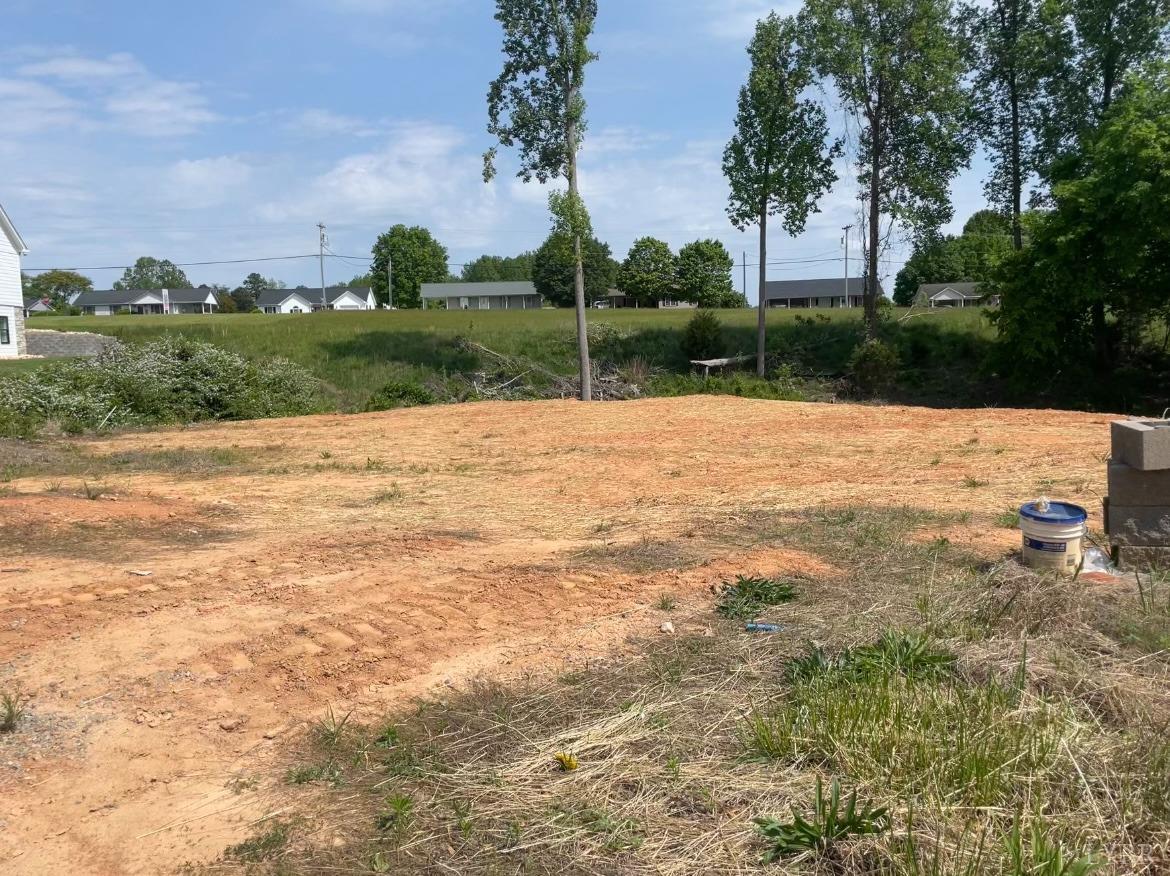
[(1054, 547)]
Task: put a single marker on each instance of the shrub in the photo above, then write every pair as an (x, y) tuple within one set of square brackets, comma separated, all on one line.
[(873, 367), (400, 394), (169, 380), (703, 336)]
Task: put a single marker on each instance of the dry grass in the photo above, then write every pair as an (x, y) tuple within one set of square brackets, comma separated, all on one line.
[(1040, 748)]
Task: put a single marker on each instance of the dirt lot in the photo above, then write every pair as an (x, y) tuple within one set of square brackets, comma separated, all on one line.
[(355, 561)]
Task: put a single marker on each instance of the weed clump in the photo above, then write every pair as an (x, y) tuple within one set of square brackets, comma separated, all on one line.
[(747, 597), (829, 823), (169, 380), (400, 394)]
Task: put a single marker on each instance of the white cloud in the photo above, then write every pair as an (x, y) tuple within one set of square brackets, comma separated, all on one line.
[(736, 19), (326, 123), (206, 182), (64, 88)]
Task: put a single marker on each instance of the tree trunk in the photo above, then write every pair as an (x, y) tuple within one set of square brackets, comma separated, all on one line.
[(874, 236), (761, 331), (579, 279)]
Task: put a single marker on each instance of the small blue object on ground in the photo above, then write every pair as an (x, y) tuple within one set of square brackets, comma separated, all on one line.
[(763, 628)]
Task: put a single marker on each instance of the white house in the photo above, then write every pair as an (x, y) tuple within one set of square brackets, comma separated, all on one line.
[(11, 296), (309, 300), (950, 294), (107, 302), (484, 296), (36, 305)]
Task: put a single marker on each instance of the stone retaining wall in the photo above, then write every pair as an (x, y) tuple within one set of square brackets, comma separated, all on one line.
[(43, 342)]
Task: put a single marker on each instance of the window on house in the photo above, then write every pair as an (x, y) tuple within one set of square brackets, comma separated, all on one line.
[(4, 336)]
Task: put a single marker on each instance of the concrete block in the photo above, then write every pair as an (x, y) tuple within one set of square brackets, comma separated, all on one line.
[(1132, 486), (1143, 559), (1142, 444), (1138, 525)]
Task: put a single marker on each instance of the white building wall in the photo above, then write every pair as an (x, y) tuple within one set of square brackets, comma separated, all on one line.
[(11, 301)]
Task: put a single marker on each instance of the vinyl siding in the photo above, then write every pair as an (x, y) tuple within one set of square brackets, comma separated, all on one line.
[(10, 294)]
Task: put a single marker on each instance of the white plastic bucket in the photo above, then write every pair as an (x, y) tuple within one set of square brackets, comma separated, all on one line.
[(1054, 535)]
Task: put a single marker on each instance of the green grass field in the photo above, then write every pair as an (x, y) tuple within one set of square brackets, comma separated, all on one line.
[(356, 353)]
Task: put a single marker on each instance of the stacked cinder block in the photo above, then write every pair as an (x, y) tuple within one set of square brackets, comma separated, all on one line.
[(1137, 511)]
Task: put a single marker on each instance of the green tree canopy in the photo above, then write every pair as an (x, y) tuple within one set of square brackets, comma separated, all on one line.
[(1009, 50), (554, 270), (415, 257), (898, 67), (244, 296), (55, 286), (704, 275), (648, 273), (779, 162), (537, 104), (152, 273), (1104, 247), (498, 269), (972, 257)]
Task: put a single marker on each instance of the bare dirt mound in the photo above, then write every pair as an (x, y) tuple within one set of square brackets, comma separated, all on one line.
[(169, 630)]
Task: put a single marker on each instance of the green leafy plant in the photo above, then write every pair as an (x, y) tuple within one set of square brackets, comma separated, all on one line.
[(397, 815), (400, 394), (666, 602), (703, 336), (331, 729), (1043, 856), (12, 710), (747, 597), (873, 367), (830, 822)]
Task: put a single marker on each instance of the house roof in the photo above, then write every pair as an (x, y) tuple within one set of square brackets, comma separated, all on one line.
[(460, 290), (31, 300), (11, 232), (782, 290), (275, 297), (106, 297), (966, 290)]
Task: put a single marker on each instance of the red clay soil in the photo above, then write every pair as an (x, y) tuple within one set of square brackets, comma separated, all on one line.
[(356, 561)]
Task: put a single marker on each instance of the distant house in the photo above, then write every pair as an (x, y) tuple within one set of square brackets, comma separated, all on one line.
[(484, 296), (817, 293), (11, 296), (618, 298), (309, 300), (949, 294), (36, 305), (107, 302)]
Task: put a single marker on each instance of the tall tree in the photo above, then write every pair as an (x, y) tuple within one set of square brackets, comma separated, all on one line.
[(1104, 247), (704, 275), (778, 162), (414, 257), (537, 104), (554, 269), (246, 293), (498, 269), (648, 273), (898, 68), (55, 286), (1008, 45), (152, 273), (1091, 45)]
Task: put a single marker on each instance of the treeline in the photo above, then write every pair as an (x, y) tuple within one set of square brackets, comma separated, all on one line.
[(700, 272)]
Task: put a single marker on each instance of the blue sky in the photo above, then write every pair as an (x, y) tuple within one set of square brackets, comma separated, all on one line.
[(227, 130)]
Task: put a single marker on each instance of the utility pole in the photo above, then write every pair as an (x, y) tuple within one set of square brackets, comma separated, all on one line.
[(323, 239), (745, 275), (390, 280), (847, 229)]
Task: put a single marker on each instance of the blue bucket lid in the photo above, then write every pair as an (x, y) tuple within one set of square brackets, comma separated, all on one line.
[(1058, 513)]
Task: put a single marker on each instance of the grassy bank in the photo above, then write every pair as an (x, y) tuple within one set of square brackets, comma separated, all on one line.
[(988, 720), (356, 353)]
